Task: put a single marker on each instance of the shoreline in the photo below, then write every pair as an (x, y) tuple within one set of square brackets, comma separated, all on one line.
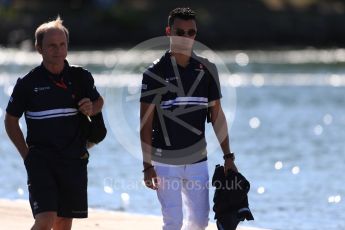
[(16, 214)]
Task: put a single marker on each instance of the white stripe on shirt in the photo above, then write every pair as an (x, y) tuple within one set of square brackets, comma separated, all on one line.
[(52, 113), (185, 101)]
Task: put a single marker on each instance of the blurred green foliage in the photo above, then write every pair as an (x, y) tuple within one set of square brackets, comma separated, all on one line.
[(222, 23)]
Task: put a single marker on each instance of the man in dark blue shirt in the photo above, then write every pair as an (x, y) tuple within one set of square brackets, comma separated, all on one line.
[(179, 91), (55, 151)]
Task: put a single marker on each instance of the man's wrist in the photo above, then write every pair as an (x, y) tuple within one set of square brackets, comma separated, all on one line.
[(229, 155), (147, 164), (147, 168)]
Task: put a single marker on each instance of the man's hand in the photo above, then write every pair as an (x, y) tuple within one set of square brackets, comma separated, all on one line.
[(16, 135), (86, 106), (150, 178), (229, 164)]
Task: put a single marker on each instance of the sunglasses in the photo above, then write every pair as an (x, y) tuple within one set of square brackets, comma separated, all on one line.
[(189, 33)]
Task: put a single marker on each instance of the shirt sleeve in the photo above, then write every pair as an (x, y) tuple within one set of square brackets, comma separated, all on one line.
[(18, 101), (91, 90), (150, 86), (214, 90)]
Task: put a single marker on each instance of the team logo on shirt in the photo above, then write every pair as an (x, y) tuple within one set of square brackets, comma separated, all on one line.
[(37, 89), (171, 79)]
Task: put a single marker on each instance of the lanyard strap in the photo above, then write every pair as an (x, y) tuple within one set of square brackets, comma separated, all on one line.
[(61, 84)]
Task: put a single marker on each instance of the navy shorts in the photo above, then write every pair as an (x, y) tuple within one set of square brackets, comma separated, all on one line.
[(58, 185)]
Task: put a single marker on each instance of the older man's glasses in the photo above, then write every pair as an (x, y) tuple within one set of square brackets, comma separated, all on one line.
[(189, 33)]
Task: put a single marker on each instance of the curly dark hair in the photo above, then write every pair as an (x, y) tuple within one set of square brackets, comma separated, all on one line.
[(184, 13)]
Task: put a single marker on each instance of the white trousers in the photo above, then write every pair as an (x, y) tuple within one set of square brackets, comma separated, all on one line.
[(183, 187)]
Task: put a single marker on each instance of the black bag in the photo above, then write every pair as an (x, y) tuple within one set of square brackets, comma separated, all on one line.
[(94, 130), (93, 127)]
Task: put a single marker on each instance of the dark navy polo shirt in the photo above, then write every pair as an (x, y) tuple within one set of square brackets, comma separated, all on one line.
[(181, 96), (51, 111)]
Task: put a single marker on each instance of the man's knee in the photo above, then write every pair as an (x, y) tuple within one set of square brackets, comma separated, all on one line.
[(42, 225), (44, 221), (62, 223)]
